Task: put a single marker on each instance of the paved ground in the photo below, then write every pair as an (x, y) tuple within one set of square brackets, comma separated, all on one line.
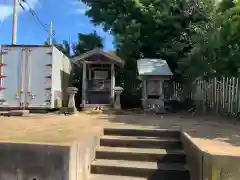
[(217, 135)]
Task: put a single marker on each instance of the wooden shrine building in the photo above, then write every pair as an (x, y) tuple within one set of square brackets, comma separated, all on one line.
[(98, 78)]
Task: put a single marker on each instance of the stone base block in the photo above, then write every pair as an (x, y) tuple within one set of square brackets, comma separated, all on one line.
[(68, 110), (18, 113)]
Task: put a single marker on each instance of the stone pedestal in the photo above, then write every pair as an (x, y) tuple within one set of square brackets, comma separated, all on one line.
[(19, 112), (72, 91), (118, 91)]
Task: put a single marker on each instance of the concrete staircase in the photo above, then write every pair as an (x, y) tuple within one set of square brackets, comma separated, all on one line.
[(139, 154)]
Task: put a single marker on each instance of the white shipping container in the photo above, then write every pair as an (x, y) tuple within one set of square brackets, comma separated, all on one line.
[(33, 77)]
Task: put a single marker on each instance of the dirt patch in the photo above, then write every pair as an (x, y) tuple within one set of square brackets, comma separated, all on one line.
[(50, 129), (217, 135)]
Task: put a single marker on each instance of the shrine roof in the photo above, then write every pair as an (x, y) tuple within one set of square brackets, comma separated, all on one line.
[(98, 55), (153, 67)]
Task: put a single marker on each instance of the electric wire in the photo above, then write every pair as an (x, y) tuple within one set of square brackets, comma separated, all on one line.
[(34, 14)]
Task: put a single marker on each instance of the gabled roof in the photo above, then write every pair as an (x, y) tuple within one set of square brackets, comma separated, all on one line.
[(112, 57), (153, 67)]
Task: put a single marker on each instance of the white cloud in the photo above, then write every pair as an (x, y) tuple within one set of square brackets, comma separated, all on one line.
[(99, 29), (32, 3), (77, 2), (80, 11), (79, 7), (6, 10)]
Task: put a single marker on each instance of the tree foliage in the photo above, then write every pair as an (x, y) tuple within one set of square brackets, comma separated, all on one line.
[(87, 42), (216, 53), (196, 37), (230, 43), (150, 28), (65, 48), (225, 5)]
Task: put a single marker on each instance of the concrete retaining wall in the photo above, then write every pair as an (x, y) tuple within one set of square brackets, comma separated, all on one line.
[(82, 155), (205, 166), (225, 167), (194, 157), (27, 161), (47, 162)]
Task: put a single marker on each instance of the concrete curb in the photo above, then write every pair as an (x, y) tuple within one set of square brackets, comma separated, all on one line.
[(82, 154), (206, 166)]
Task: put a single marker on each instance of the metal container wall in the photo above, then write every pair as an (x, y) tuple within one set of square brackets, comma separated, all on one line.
[(32, 76), (38, 79), (61, 69), (10, 76)]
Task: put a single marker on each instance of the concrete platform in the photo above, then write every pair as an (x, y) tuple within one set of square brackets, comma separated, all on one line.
[(18, 112), (15, 112)]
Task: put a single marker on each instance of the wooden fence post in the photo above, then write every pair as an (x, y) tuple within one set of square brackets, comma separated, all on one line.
[(238, 96), (229, 94), (233, 100), (226, 96)]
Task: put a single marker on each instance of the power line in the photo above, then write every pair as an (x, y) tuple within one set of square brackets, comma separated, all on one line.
[(34, 14)]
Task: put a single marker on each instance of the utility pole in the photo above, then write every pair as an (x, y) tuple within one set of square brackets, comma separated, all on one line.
[(50, 34), (15, 19)]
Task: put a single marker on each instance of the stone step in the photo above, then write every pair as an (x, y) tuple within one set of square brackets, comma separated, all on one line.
[(141, 154), (140, 142), (130, 131), (170, 171), (112, 177)]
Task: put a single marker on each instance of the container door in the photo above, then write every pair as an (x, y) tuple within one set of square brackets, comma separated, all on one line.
[(39, 77), (10, 88), (28, 95)]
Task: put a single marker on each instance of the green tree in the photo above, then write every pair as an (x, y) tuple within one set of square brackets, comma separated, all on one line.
[(64, 47), (87, 42), (216, 51), (225, 5), (202, 57), (111, 52), (151, 29), (230, 43)]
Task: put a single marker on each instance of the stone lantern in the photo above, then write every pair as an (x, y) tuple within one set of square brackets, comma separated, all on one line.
[(118, 90), (72, 91)]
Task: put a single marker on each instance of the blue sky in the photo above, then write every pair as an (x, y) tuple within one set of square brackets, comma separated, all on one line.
[(67, 17)]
